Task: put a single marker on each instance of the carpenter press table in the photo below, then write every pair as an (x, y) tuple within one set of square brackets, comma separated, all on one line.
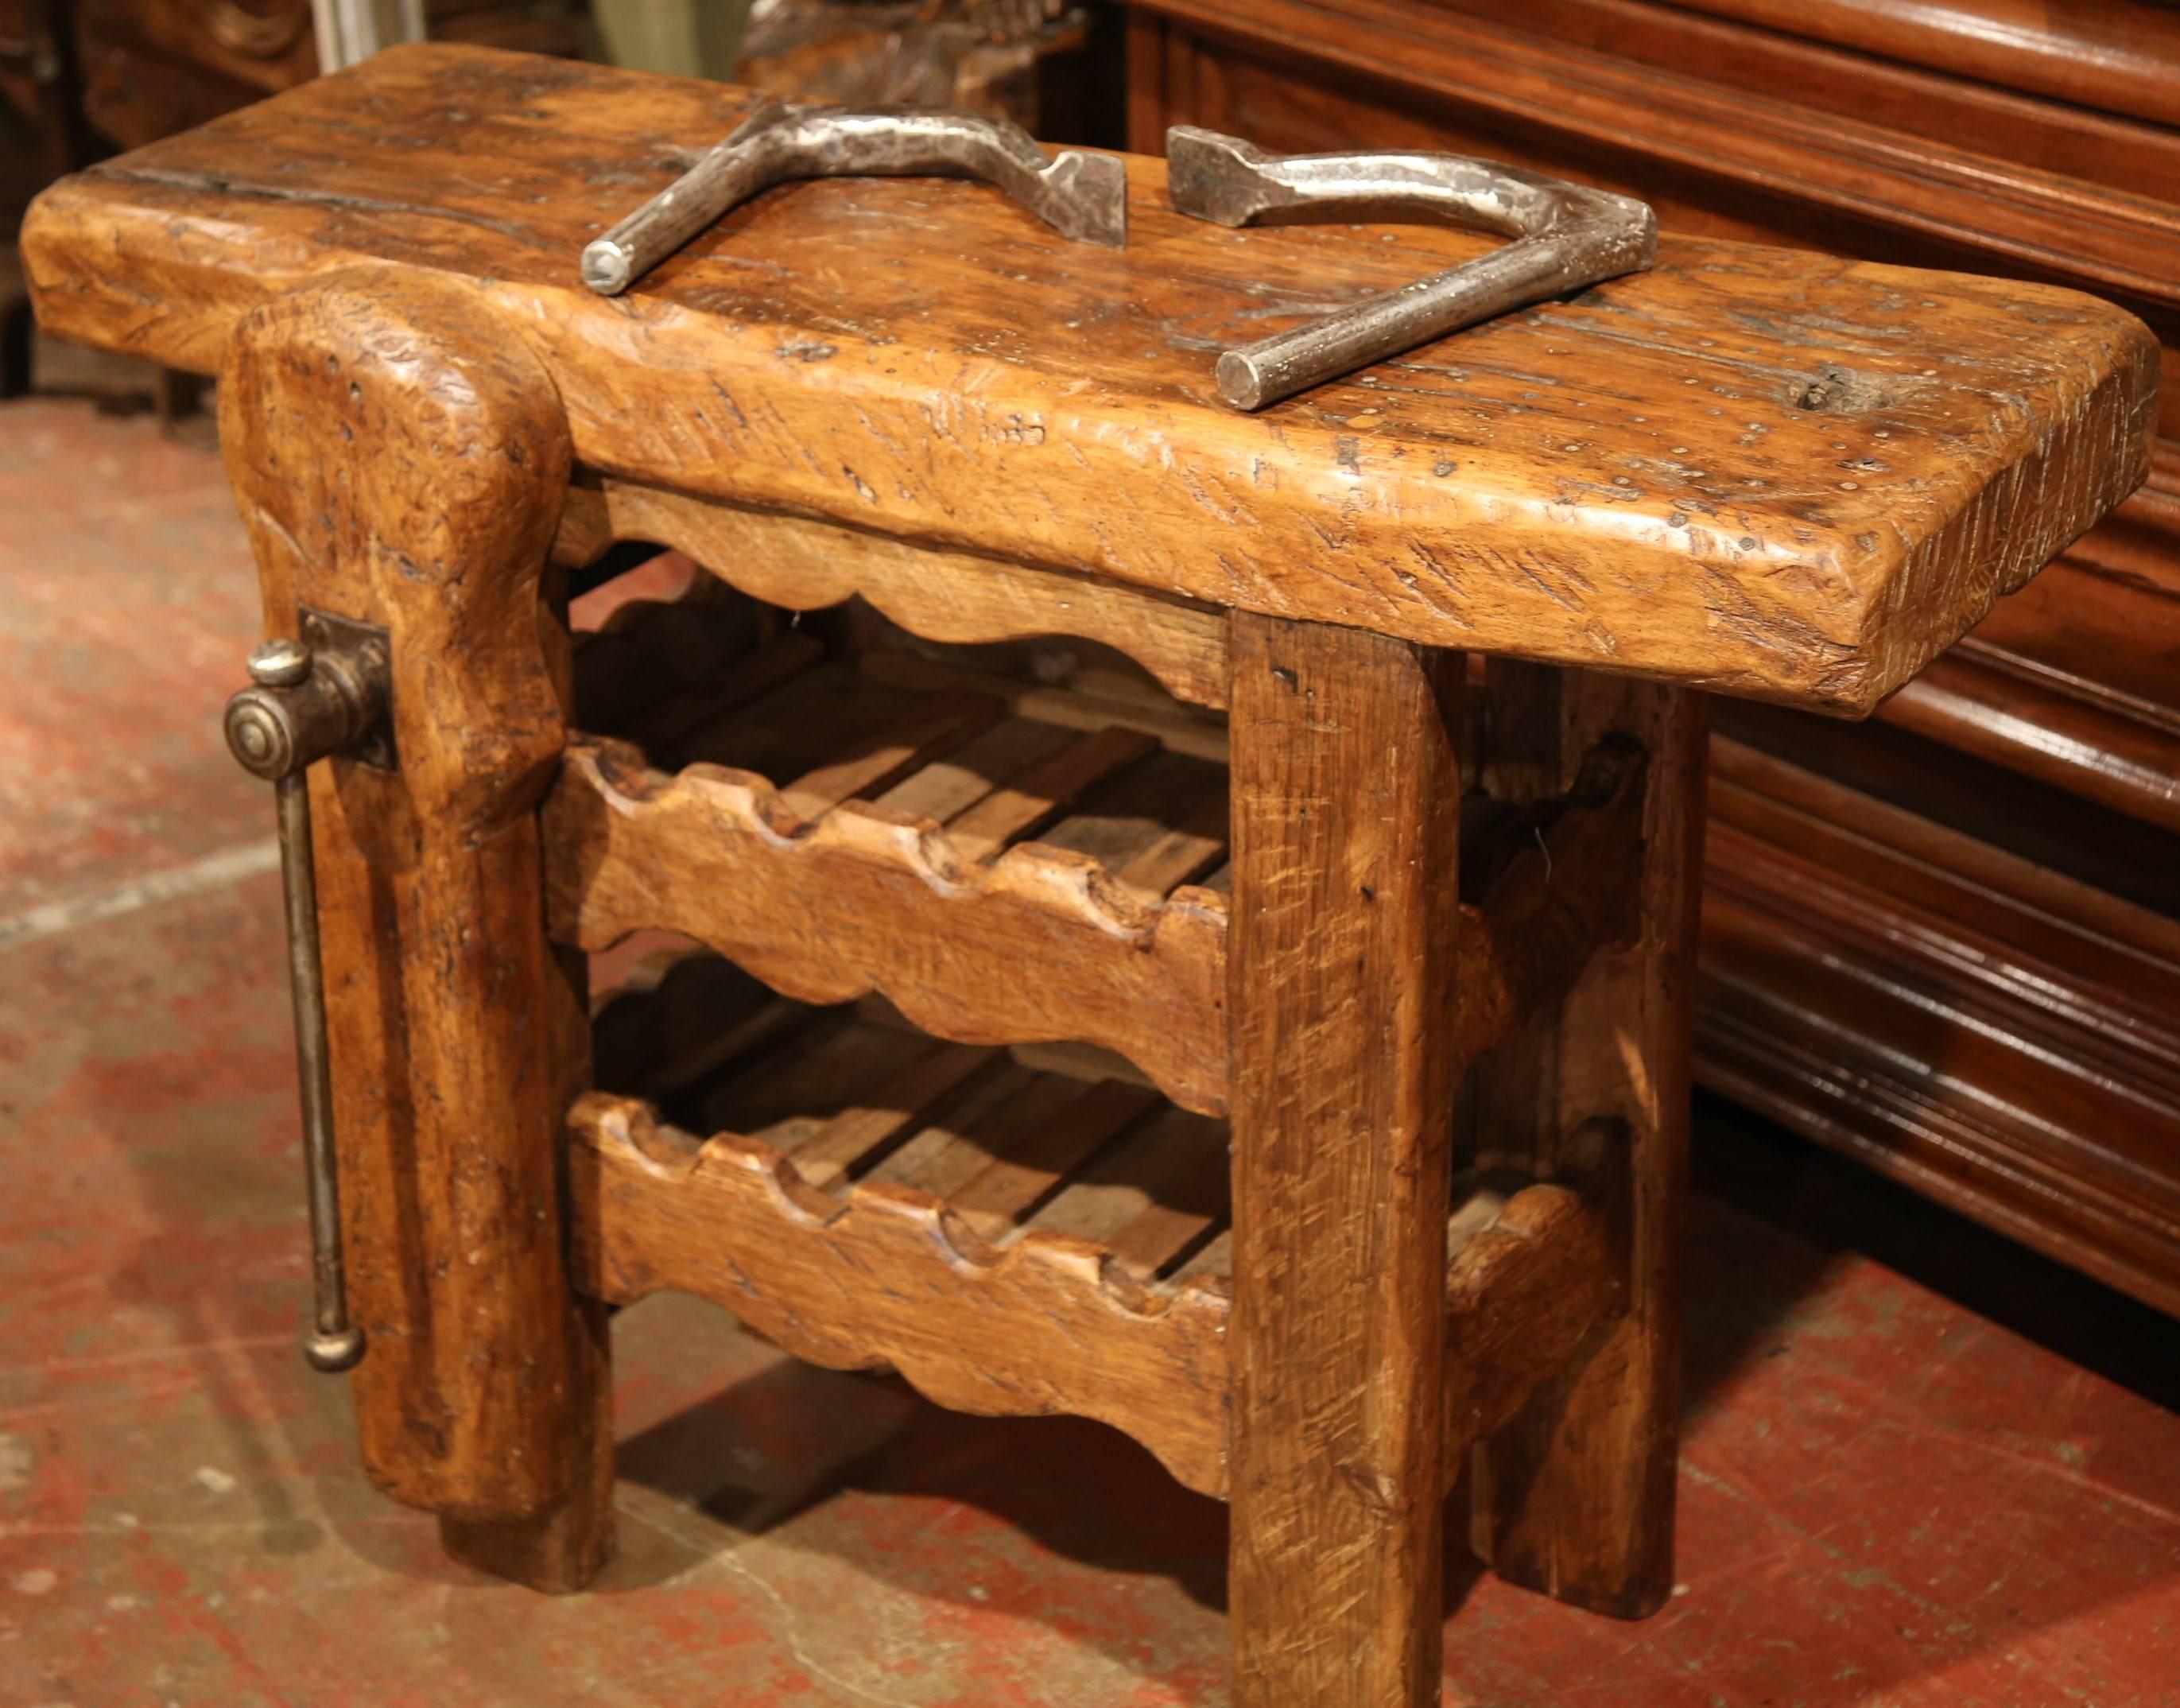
[(1150, 990)]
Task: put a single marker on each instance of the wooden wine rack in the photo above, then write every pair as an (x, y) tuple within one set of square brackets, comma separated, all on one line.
[(970, 1134)]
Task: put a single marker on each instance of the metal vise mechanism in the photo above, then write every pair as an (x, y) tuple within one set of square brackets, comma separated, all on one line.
[(309, 699)]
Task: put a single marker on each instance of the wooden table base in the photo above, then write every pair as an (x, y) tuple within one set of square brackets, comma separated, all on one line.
[(1318, 1329)]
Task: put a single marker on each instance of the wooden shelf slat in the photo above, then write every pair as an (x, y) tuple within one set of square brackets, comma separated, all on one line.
[(1021, 808), (977, 934), (945, 791), (1024, 1241), (877, 763), (1027, 871), (1008, 1188), (946, 1154), (831, 1153), (887, 1276)]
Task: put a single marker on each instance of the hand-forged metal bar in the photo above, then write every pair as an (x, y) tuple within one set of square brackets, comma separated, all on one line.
[(1565, 237), (301, 707), (1083, 196)]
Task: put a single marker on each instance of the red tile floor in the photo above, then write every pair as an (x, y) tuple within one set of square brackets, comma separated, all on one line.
[(1889, 1497)]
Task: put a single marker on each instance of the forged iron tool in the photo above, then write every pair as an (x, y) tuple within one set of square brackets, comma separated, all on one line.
[(1565, 237), (306, 702), (1082, 197)]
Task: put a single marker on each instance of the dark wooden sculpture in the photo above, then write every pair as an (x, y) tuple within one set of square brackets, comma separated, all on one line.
[(1115, 1010)]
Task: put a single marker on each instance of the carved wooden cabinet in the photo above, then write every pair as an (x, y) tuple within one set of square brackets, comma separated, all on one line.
[(1948, 941)]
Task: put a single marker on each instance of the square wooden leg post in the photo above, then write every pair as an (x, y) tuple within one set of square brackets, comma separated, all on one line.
[(1346, 821), (401, 460), (561, 1547), (1575, 1497)]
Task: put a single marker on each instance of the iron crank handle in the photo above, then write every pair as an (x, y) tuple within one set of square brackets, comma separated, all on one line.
[(1082, 197), (1565, 237), (300, 707)]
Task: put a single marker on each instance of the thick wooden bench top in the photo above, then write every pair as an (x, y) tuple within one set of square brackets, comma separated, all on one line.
[(1767, 473)]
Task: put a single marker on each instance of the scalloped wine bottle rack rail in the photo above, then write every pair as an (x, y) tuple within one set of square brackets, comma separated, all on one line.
[(1012, 1238), (1006, 863)]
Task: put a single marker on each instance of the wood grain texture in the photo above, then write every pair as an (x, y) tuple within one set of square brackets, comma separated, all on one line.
[(1344, 932), (1521, 1296), (1975, 698), (1896, 105), (1039, 945), (562, 1547), (1999, 1035), (1977, 154), (991, 943), (1691, 98), (1575, 1497), (399, 460), (2098, 53), (1604, 516), (1888, 1010), (2079, 697), (1023, 1242), (886, 1198), (806, 565), (889, 1277), (1572, 889)]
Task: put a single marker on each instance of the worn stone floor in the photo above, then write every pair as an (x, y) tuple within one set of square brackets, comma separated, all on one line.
[(1889, 1496)]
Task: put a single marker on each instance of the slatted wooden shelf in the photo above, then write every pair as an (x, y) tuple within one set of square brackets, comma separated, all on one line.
[(1006, 860), (1015, 1230), (961, 1046)]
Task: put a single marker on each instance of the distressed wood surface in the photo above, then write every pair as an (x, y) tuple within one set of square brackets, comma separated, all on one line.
[(1769, 473), (1575, 1495), (1904, 996), (1568, 890), (941, 595), (1042, 943), (399, 459), (1015, 1238), (1341, 973), (1521, 1296), (1013, 883), (889, 1276)]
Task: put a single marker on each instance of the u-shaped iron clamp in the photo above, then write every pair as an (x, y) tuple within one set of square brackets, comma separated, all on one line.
[(1083, 196), (1564, 236)]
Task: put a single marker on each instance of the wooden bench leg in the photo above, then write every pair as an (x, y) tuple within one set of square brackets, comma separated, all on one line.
[(1345, 826), (401, 459), (1576, 1497)]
